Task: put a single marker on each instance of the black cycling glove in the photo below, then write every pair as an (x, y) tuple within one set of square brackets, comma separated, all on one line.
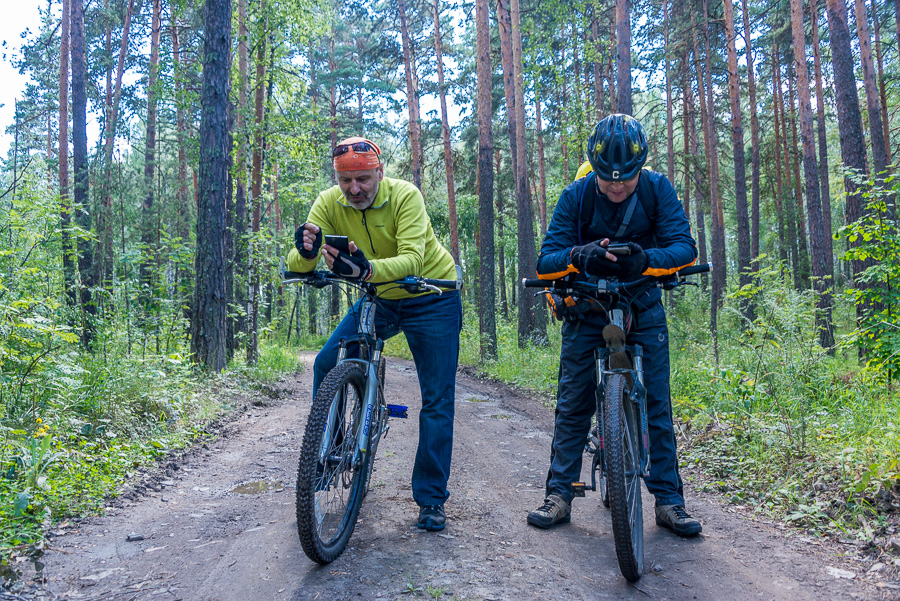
[(352, 266), (633, 264), (591, 260), (298, 243)]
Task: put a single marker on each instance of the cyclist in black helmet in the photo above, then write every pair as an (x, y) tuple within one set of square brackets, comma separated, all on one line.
[(619, 202)]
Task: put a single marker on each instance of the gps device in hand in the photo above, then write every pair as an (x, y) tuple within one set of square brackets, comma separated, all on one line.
[(339, 242), (619, 249)]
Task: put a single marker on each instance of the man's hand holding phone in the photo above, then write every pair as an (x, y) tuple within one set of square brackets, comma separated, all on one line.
[(344, 258)]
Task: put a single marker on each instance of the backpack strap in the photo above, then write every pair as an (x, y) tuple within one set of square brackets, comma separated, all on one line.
[(628, 213), (581, 213)]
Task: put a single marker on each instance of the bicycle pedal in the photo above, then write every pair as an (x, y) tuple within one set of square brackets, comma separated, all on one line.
[(397, 411), (578, 488)]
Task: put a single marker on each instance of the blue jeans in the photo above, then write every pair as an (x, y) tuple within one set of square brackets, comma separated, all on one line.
[(432, 324), (576, 403)]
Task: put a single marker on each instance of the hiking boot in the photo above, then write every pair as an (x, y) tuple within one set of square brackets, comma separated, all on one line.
[(554, 511), (432, 518), (676, 519)]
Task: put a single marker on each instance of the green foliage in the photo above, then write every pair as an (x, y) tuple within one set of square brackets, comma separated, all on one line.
[(875, 241)]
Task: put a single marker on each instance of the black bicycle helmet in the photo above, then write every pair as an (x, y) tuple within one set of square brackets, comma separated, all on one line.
[(617, 149)]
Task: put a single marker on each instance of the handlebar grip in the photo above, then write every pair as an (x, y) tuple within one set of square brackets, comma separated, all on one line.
[(692, 269), (294, 275), (447, 284), (527, 283)]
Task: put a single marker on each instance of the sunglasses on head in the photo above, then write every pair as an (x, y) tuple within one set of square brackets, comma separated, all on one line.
[(356, 147)]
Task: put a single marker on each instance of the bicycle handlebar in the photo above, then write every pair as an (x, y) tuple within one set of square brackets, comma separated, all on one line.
[(613, 284), (324, 278)]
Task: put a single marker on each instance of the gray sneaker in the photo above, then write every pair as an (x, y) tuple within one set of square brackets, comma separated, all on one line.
[(554, 511), (676, 519)]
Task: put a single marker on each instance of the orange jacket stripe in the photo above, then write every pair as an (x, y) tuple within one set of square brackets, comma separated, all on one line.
[(559, 274), (657, 272)]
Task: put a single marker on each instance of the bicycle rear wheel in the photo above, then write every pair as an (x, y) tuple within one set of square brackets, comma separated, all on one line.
[(621, 440), (330, 487)]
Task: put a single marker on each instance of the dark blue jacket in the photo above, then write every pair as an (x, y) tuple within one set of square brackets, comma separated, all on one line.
[(665, 235)]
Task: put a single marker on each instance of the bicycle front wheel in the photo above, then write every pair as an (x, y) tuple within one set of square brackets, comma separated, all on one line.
[(621, 440), (330, 483)]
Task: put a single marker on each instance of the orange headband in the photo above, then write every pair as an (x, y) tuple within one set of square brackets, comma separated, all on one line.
[(356, 160)]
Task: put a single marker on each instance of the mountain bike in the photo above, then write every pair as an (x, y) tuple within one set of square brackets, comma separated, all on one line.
[(348, 418), (619, 441)]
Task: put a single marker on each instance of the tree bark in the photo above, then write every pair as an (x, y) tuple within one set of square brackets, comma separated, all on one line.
[(445, 129), (804, 259), (182, 194), (532, 320), (412, 97), (824, 186), (670, 121), (788, 201), (779, 162), (208, 341), (754, 142), (853, 150), (504, 26), (256, 191), (542, 166), (598, 68), (486, 297), (740, 173), (876, 27), (147, 217), (499, 204), (65, 210), (82, 175), (873, 101), (239, 219), (623, 57), (811, 174)]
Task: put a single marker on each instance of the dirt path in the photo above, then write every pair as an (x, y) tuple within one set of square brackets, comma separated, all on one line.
[(204, 541)]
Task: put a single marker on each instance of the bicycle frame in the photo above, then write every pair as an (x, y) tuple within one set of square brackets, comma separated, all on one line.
[(366, 334)]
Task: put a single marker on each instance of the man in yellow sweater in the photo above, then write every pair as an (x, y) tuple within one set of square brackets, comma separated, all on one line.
[(391, 237)]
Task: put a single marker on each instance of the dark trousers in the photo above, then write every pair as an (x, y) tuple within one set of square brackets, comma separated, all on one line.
[(576, 403), (432, 324)]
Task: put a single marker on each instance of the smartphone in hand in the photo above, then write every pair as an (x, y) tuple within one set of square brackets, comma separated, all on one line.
[(619, 249), (341, 243)]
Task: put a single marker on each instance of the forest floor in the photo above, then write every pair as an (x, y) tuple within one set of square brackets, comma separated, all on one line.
[(218, 523)]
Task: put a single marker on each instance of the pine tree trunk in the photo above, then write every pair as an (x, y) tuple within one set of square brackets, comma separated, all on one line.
[(876, 27), (873, 101), (501, 249), (147, 213), (754, 141), (256, 192), (788, 201), (598, 68), (504, 25), (803, 260), (82, 175), (700, 218), (811, 174), (779, 162), (532, 319), (670, 121), (208, 340), (853, 150), (486, 297), (740, 170), (824, 186), (542, 166), (239, 220), (623, 57), (65, 210), (445, 129), (412, 97)]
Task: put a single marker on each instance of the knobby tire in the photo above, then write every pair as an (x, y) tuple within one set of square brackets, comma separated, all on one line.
[(624, 482), (330, 494)]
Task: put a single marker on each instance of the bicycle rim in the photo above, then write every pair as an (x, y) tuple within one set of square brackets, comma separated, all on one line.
[(329, 486), (623, 478)]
